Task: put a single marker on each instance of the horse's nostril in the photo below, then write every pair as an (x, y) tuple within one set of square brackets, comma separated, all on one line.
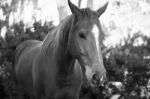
[(95, 79)]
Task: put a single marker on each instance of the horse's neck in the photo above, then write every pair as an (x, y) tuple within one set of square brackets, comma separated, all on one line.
[(65, 65), (63, 58), (56, 42)]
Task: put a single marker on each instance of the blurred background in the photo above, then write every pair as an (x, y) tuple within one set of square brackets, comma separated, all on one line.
[(125, 47)]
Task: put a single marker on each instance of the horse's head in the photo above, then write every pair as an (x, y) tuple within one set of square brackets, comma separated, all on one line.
[(84, 42)]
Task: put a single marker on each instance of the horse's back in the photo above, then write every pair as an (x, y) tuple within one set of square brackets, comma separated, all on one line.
[(25, 54), (26, 45)]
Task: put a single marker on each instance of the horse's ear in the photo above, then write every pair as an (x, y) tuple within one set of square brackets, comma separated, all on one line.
[(74, 9), (101, 10)]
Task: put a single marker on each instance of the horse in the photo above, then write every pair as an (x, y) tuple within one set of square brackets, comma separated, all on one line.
[(54, 68)]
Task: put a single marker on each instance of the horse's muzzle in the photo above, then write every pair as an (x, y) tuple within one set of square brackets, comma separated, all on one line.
[(98, 80)]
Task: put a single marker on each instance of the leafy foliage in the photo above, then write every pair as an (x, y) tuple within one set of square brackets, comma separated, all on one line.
[(7, 48), (127, 64)]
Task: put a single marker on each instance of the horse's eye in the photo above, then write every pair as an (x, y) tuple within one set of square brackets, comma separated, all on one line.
[(82, 35)]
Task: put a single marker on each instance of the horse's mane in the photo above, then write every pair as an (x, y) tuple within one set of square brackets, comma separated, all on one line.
[(59, 33)]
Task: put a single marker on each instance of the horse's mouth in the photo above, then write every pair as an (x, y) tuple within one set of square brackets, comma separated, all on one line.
[(95, 83)]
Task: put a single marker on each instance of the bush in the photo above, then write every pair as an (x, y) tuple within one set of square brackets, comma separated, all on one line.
[(7, 48), (127, 64)]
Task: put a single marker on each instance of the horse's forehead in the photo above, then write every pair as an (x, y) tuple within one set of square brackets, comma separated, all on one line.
[(88, 25), (95, 30)]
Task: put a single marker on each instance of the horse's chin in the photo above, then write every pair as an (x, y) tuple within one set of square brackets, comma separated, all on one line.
[(96, 85)]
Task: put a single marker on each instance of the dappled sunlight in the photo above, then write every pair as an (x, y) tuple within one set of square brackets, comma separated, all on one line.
[(146, 57), (139, 41), (28, 12), (2, 17), (127, 16), (48, 11), (3, 32), (125, 48)]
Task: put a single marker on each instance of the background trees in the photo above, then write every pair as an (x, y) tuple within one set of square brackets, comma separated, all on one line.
[(127, 63)]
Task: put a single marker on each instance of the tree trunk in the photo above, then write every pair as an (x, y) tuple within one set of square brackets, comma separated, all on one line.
[(90, 4), (62, 9), (79, 3)]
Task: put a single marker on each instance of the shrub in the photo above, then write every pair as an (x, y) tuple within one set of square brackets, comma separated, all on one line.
[(127, 64)]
